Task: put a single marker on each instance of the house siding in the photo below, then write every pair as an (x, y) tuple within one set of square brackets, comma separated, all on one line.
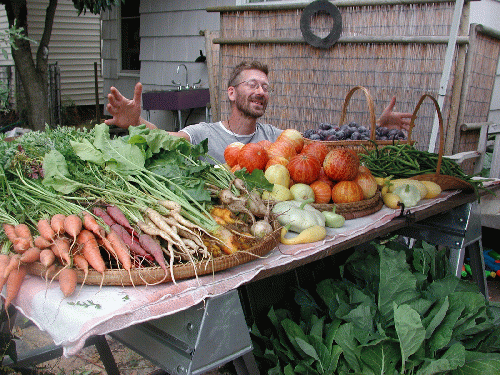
[(74, 45), (171, 34)]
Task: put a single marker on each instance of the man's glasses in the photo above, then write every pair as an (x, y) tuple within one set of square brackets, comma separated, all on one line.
[(254, 85)]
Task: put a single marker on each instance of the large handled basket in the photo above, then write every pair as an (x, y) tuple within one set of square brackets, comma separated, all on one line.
[(446, 182), (360, 146)]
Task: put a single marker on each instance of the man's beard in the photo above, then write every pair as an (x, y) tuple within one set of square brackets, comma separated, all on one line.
[(244, 106)]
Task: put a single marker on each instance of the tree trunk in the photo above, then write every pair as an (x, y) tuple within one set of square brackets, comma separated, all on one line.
[(33, 76)]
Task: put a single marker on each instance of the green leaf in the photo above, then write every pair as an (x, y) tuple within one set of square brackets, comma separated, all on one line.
[(294, 333), (479, 363), (317, 326), (397, 283), (350, 347), (382, 357), (322, 351), (453, 358), (307, 348), (255, 180), (334, 359), (124, 157), (409, 329), (86, 151), (436, 316), (56, 174)]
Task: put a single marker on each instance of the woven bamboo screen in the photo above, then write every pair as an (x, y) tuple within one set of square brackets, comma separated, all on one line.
[(392, 48)]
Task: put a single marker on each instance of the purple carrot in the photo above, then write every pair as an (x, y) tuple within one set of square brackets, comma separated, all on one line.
[(149, 244), (118, 216), (98, 211), (129, 240)]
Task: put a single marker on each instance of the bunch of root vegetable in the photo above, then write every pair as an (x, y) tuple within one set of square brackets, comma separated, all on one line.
[(245, 208)]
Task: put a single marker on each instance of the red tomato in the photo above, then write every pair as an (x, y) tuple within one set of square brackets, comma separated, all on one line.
[(304, 168), (252, 156)]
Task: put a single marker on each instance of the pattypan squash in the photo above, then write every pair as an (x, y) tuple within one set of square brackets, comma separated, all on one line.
[(408, 194), (298, 215)]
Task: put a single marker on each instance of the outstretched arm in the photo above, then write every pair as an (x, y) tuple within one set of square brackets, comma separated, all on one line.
[(126, 112), (394, 120)]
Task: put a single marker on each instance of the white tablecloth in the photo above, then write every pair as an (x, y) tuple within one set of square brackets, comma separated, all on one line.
[(96, 311)]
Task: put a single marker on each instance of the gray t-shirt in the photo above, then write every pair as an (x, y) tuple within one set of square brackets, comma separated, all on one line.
[(219, 137)]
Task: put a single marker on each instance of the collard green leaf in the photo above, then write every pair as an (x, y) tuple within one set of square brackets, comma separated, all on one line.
[(288, 370), (350, 347), (305, 368), (322, 352), (453, 358), (317, 325), (441, 288), (334, 359), (307, 348), (294, 332), (382, 357), (409, 329), (436, 316), (397, 283), (57, 175), (479, 363), (330, 331)]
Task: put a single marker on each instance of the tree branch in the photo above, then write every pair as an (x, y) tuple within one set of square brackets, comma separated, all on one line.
[(42, 53)]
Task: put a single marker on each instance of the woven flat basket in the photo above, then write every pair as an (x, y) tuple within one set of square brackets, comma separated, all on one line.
[(360, 146), (156, 275), (355, 209)]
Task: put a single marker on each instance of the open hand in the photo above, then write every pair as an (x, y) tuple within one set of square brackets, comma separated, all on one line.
[(125, 112), (394, 120)]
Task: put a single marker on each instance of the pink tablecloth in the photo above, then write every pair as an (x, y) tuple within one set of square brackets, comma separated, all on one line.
[(98, 311)]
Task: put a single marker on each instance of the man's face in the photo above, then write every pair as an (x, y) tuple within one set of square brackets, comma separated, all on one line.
[(251, 93)]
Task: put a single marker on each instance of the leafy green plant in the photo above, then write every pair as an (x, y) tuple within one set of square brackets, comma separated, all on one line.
[(395, 311)]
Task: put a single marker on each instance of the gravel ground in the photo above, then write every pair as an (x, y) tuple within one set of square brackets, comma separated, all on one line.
[(87, 361)]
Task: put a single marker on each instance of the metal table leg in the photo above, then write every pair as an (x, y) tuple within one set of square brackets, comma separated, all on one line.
[(459, 230), (196, 340)]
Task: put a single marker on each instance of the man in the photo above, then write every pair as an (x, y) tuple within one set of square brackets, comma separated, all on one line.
[(248, 93)]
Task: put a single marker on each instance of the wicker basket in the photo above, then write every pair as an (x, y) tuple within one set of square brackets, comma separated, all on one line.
[(355, 209), (360, 146), (156, 275), (446, 182)]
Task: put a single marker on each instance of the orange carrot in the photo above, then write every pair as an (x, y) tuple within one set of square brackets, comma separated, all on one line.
[(21, 244), (90, 250), (4, 261), (81, 263), (90, 223), (45, 229), (31, 255), (47, 257), (67, 281), (57, 223), (13, 264), (121, 250), (41, 242), (13, 284), (22, 230), (72, 226), (10, 232), (61, 249)]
